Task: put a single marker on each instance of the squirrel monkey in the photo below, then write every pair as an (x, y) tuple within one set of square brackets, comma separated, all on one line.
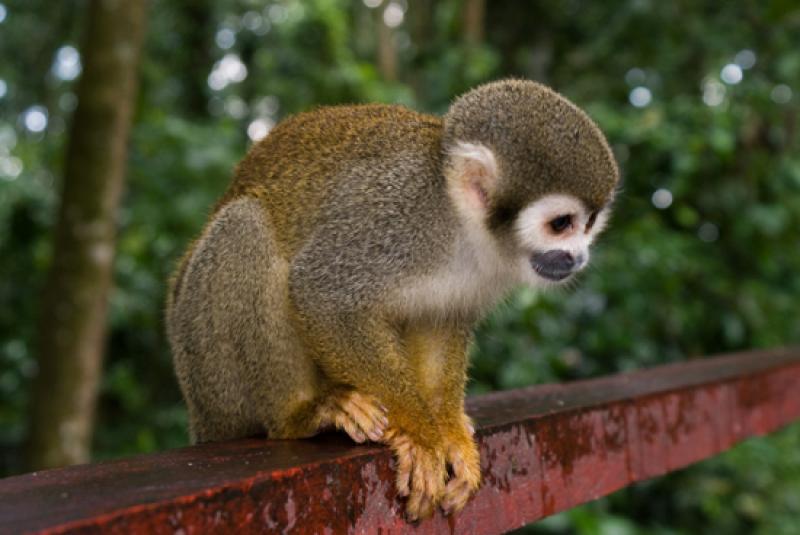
[(337, 281)]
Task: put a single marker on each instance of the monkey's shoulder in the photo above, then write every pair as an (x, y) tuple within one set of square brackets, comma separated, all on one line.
[(350, 132), (375, 147)]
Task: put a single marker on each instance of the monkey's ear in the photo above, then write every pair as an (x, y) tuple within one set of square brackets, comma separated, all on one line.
[(472, 174)]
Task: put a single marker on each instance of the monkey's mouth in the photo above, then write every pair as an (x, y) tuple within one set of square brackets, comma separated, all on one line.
[(550, 274)]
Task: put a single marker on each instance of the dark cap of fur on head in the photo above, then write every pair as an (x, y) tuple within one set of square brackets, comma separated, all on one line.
[(542, 143)]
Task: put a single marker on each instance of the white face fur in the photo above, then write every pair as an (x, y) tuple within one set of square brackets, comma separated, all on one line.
[(554, 234)]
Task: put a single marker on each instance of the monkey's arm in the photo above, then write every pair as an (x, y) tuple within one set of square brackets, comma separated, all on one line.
[(441, 365), (365, 352)]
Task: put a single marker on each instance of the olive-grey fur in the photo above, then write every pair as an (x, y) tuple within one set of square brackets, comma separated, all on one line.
[(230, 340)]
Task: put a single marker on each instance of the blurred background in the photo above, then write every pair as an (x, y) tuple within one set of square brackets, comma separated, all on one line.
[(699, 100)]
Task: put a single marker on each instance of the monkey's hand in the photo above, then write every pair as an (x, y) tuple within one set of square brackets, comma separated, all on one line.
[(421, 474), (464, 460), (361, 416)]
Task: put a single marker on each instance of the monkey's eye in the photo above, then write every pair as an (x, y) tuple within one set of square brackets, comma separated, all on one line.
[(561, 223)]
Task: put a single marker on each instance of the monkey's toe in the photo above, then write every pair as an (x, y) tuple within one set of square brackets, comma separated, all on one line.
[(359, 415), (464, 459), (421, 475)]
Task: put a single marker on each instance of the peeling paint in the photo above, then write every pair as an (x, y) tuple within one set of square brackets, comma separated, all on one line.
[(291, 519)]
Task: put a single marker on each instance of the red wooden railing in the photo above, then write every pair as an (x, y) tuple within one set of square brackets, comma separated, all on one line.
[(543, 449)]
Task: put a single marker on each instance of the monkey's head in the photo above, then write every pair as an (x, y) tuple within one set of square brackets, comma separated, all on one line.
[(531, 174)]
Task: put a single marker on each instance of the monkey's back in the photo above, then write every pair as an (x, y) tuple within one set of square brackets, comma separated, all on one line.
[(322, 163)]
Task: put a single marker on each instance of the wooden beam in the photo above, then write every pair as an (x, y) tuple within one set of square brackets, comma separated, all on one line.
[(544, 449)]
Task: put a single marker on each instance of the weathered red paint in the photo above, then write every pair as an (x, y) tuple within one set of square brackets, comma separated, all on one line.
[(543, 449)]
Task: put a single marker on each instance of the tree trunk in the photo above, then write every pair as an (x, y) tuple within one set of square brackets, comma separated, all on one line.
[(474, 15), (423, 37), (387, 51), (72, 321)]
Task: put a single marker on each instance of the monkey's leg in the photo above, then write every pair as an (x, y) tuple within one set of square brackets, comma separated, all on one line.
[(365, 352), (441, 363), (240, 365)]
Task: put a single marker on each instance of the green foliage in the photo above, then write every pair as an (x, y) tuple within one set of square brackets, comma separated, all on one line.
[(715, 268)]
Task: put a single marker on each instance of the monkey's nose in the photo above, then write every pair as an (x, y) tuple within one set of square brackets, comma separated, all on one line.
[(555, 264), (558, 260)]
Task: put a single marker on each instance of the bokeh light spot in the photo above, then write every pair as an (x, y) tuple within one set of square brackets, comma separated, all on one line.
[(228, 70), (252, 20), (640, 96), (35, 118), (713, 92), (8, 139), (393, 15), (259, 128), (781, 94), (708, 232), (731, 74), (235, 107), (745, 58), (662, 198), (10, 167), (67, 64), (635, 76), (225, 38), (68, 102), (277, 13)]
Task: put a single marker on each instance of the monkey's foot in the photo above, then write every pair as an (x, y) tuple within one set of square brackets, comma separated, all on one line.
[(359, 415), (464, 460), (421, 475)]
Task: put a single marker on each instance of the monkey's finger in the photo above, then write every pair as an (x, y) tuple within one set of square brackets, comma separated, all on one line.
[(368, 418), (356, 434), (471, 428), (405, 464), (422, 506), (372, 410), (413, 506), (365, 413), (421, 502), (369, 427), (429, 476), (457, 495), (346, 424), (458, 466), (433, 478), (465, 463), (402, 482), (366, 402)]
